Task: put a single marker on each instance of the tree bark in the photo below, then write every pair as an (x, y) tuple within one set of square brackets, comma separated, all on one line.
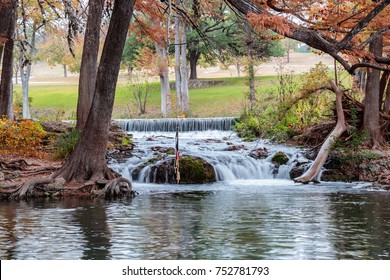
[(183, 69), (65, 71), (89, 62), (386, 105), (182, 96), (177, 64), (88, 161), (250, 66), (372, 105), (166, 103), (193, 57), (7, 27), (312, 173)]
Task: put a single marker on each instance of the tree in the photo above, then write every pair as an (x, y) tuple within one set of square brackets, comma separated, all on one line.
[(88, 162), (342, 29), (89, 62), (182, 94), (7, 30)]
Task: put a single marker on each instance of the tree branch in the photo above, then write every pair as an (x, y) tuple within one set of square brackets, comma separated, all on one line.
[(362, 24)]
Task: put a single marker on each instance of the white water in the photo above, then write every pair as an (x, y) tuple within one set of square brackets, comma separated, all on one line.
[(212, 146)]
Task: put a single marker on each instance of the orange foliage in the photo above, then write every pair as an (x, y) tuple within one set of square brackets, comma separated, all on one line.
[(23, 138)]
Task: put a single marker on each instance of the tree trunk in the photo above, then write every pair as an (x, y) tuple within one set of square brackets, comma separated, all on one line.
[(311, 174), (386, 105), (372, 106), (193, 58), (65, 71), (382, 90), (7, 27), (177, 65), (89, 62), (166, 105), (183, 70), (25, 71), (88, 161), (250, 66)]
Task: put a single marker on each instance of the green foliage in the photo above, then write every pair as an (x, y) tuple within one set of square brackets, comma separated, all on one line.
[(139, 93), (18, 104), (24, 137), (65, 144), (297, 105)]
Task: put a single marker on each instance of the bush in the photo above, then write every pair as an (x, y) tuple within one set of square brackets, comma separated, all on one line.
[(24, 137), (65, 144)]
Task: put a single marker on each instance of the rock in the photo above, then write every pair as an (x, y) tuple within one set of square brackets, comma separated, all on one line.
[(260, 153), (235, 148), (2, 177), (298, 169), (193, 170), (279, 159)]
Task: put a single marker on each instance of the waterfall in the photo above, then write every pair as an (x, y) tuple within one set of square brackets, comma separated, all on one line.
[(229, 155), (169, 124)]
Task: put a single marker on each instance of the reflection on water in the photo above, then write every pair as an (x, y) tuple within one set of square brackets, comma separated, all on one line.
[(252, 219)]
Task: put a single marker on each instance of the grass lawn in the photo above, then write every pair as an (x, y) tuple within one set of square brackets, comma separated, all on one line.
[(226, 99)]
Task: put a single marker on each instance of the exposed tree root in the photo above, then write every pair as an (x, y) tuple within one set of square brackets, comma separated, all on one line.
[(119, 187), (28, 189), (311, 174)]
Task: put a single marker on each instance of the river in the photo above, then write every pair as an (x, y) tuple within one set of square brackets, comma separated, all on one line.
[(250, 216)]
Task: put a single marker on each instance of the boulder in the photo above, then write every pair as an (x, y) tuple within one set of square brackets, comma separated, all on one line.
[(279, 159), (193, 170)]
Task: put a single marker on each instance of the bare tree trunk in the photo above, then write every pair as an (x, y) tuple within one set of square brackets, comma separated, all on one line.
[(65, 71), (183, 70), (166, 103), (250, 66), (7, 27), (25, 71), (193, 58), (88, 161), (89, 60), (372, 106), (177, 65), (311, 174)]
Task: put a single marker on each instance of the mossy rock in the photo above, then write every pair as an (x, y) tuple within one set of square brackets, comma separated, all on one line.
[(279, 159), (193, 170)]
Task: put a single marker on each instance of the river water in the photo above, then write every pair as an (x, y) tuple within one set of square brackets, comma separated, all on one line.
[(259, 215)]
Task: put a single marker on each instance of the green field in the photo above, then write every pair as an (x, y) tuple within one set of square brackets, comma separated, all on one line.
[(226, 99)]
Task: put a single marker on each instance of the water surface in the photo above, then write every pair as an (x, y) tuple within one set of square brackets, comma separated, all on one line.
[(244, 219)]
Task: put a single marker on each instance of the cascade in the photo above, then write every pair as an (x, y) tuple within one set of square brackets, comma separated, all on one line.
[(224, 150), (169, 124)]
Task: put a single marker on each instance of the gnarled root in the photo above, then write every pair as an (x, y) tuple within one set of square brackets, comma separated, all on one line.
[(119, 187), (28, 189)]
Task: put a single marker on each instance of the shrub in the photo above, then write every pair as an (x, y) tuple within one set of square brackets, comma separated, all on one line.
[(65, 144), (24, 137)]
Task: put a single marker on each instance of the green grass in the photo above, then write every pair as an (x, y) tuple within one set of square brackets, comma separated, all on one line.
[(227, 99)]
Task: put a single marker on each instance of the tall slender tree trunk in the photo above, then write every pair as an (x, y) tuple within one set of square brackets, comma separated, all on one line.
[(372, 106), (89, 60), (88, 161), (250, 66), (177, 65), (166, 103), (182, 95), (25, 71), (183, 70), (7, 28)]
